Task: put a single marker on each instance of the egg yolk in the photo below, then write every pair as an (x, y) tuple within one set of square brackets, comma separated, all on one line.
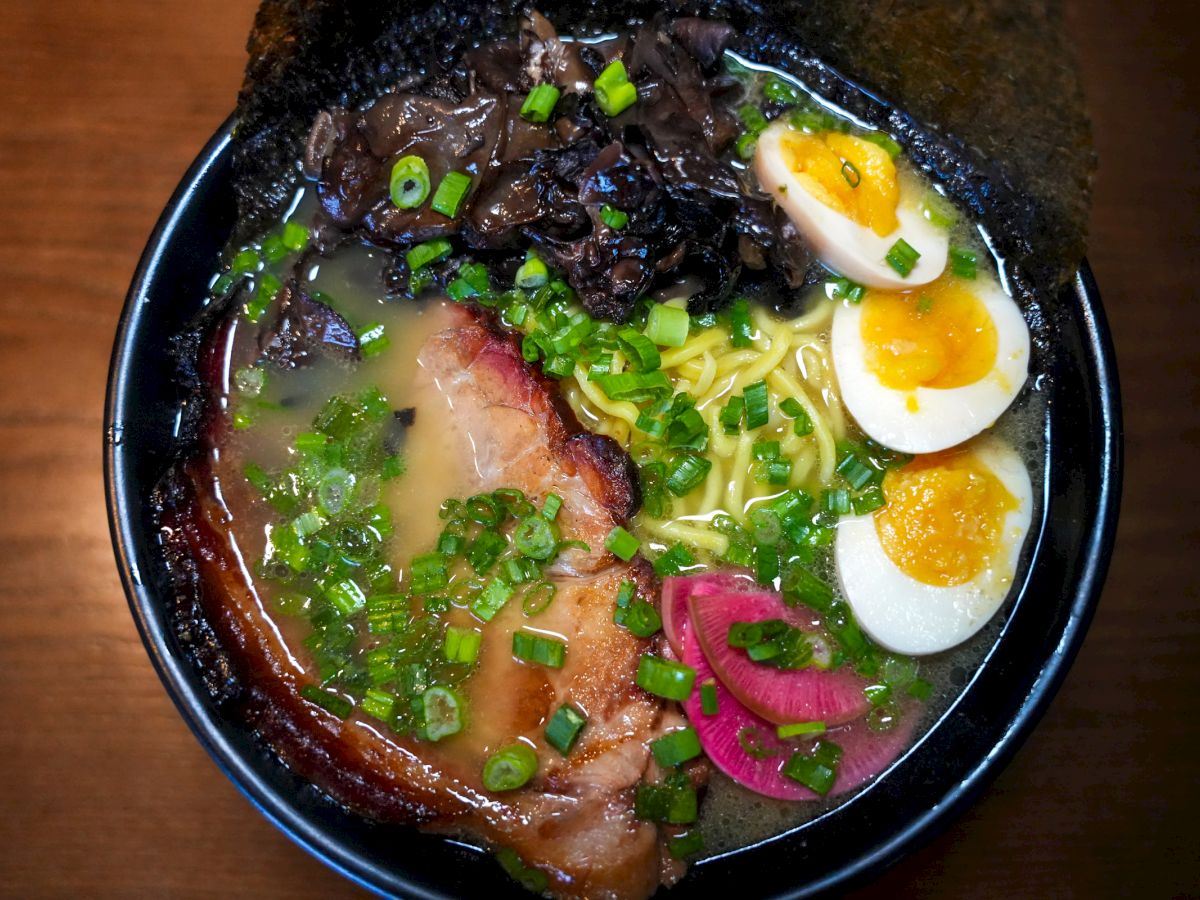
[(944, 517), (941, 337), (847, 174)]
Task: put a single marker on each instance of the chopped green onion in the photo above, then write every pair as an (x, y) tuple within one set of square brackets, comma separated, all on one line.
[(268, 287), (882, 140), (673, 561), (768, 450), (429, 573), (817, 772), (409, 184), (614, 92), (687, 844), (510, 768), (845, 289), (540, 103), (656, 428), (756, 123), (295, 236), (429, 252), (673, 800), (492, 599), (779, 91), (939, 211), (635, 387), (731, 414), (667, 325), (537, 648), (328, 701), (551, 507), (443, 712), (380, 704), (640, 617), (869, 500), (448, 197), (739, 323), (799, 728), (533, 273), (920, 689), (346, 597), (538, 598), (676, 747), (373, 340), (687, 472), (877, 694), (485, 550), (708, 698), (924, 304), (902, 257), (562, 731), (964, 263), (802, 586), (640, 349), (665, 678), (756, 405), (746, 145), (535, 537), (851, 174), (273, 249), (836, 501), (613, 217), (855, 472), (461, 644), (623, 544), (533, 880), (245, 261)]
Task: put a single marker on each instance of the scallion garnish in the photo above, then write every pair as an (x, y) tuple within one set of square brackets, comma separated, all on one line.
[(665, 678), (640, 349), (851, 174), (564, 727), (676, 748), (708, 698), (449, 196), (939, 211), (409, 184), (294, 236), (687, 844), (902, 257), (674, 561), (510, 768), (540, 103), (327, 700), (779, 91), (613, 217), (964, 263), (687, 472), (817, 770), (614, 92), (551, 506), (672, 800), (491, 599), (731, 414), (667, 325), (429, 252), (799, 729), (622, 544), (532, 273), (373, 339), (756, 405), (746, 145), (739, 323), (537, 648)]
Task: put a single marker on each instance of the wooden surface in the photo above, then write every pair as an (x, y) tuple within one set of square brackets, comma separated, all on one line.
[(103, 790)]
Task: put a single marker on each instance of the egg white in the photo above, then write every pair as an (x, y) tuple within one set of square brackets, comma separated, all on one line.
[(908, 616), (942, 417), (843, 245)]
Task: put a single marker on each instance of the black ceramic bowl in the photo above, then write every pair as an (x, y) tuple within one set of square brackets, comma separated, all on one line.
[(934, 781)]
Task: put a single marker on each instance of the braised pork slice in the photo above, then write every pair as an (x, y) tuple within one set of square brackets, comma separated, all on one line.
[(575, 819)]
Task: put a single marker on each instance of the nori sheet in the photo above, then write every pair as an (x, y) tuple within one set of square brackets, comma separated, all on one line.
[(982, 94)]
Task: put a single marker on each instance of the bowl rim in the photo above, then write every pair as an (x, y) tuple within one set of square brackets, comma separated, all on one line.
[(174, 671)]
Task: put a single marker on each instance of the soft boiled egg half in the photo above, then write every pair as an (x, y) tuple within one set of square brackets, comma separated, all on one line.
[(850, 204), (929, 369), (930, 568)]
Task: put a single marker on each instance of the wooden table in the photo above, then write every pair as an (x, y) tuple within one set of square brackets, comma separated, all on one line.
[(105, 793)]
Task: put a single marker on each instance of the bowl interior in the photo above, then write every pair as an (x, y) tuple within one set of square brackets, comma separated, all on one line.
[(934, 780)]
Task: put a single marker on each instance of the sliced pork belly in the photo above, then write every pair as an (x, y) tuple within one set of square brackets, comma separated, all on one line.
[(575, 819)]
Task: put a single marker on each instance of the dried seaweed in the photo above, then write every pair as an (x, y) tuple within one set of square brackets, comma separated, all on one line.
[(981, 93)]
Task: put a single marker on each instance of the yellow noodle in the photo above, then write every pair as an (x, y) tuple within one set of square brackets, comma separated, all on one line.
[(698, 536), (825, 442), (736, 489), (736, 358), (704, 382), (706, 340), (814, 320)]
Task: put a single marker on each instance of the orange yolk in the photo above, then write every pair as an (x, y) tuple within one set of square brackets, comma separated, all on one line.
[(944, 517), (940, 337), (847, 174)]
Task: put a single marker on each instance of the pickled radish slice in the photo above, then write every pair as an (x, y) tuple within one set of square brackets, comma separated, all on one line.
[(676, 590), (779, 695), (865, 753)]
